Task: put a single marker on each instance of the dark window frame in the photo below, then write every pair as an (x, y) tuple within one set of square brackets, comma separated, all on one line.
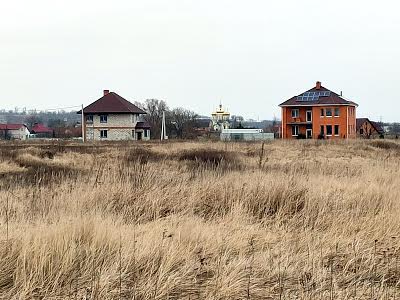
[(103, 133), (103, 118), (89, 118)]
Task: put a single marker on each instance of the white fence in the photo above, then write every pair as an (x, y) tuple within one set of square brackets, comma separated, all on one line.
[(245, 135)]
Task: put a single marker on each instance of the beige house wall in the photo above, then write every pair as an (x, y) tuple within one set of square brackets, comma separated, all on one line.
[(20, 134), (119, 127)]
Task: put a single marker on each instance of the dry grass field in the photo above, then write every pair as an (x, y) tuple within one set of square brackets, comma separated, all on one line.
[(287, 220)]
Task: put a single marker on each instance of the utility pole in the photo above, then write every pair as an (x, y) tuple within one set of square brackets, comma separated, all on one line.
[(163, 132), (83, 126)]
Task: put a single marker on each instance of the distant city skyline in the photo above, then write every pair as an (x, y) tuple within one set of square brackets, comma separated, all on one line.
[(253, 55)]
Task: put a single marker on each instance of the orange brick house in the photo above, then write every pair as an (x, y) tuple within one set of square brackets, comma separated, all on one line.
[(318, 113)]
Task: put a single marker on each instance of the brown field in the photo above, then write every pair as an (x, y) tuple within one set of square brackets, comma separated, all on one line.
[(289, 220)]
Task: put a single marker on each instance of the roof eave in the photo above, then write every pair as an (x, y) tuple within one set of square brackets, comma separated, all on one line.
[(319, 104)]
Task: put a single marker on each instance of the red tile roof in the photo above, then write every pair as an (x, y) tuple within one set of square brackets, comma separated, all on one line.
[(112, 103), (333, 99), (40, 128), (11, 126)]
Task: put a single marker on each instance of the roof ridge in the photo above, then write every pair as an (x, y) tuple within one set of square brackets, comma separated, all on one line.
[(124, 103)]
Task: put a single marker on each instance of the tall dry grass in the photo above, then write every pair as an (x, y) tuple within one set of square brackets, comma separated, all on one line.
[(286, 220)]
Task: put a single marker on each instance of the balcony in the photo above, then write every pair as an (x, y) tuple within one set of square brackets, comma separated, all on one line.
[(298, 121)]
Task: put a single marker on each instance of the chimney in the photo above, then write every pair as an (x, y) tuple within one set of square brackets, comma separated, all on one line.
[(318, 85), (105, 92)]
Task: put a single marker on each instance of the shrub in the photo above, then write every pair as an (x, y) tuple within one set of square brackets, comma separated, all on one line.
[(208, 156), (142, 155), (385, 145)]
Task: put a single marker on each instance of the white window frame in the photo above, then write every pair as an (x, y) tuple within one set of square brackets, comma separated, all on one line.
[(309, 111), (296, 132), (102, 117), (338, 127), (326, 112), (102, 135), (311, 135), (326, 128), (296, 113), (334, 112)]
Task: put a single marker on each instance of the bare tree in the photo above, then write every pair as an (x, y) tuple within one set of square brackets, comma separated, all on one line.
[(32, 119), (154, 109), (184, 121)]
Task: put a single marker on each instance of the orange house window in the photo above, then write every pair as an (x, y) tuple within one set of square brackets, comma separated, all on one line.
[(337, 112), (328, 130), (337, 130)]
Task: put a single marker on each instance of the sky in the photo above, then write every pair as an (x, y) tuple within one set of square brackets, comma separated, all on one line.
[(250, 55)]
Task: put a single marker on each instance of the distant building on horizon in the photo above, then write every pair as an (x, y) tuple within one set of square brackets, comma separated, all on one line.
[(369, 129), (318, 113), (220, 119), (41, 131), (14, 131)]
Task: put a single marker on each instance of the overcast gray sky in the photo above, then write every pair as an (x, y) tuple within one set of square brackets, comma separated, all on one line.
[(251, 54)]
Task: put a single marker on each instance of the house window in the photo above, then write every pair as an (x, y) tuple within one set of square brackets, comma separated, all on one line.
[(361, 131), (103, 134), (322, 112), (295, 113), (145, 133), (328, 130), (103, 118), (295, 130), (133, 133), (337, 112), (329, 112), (322, 131), (89, 119), (336, 130)]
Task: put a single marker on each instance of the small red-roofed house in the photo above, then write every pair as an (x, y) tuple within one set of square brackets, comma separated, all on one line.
[(42, 131), (14, 131)]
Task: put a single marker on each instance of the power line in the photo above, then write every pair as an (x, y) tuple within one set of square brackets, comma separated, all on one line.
[(61, 108)]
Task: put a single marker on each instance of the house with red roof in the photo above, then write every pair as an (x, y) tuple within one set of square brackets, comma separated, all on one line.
[(318, 113), (114, 118), (14, 131), (41, 131)]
